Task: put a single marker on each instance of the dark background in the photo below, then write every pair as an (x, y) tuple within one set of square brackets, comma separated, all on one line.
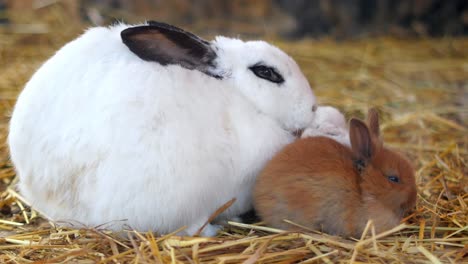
[(285, 18)]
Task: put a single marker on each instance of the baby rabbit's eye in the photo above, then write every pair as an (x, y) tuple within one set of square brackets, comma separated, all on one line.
[(267, 73), (393, 178)]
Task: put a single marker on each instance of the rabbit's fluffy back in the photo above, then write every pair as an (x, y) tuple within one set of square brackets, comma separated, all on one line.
[(100, 135), (302, 186)]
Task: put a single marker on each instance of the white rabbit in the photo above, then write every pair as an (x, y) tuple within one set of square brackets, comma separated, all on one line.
[(329, 122), (154, 125)]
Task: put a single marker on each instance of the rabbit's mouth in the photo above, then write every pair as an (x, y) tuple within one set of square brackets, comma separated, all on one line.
[(297, 132)]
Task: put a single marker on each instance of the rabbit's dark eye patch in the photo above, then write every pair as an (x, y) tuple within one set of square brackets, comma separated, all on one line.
[(267, 73)]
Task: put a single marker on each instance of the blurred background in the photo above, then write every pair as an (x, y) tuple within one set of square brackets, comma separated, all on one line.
[(290, 19)]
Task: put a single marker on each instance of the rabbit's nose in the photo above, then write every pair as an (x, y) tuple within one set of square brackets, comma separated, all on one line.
[(298, 132), (314, 108)]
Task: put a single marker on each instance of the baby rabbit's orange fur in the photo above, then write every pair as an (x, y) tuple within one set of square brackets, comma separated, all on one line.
[(321, 184)]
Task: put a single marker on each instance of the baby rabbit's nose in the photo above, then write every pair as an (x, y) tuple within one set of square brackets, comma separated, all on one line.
[(314, 108)]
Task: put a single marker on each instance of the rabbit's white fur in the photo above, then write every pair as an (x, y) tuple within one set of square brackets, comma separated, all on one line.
[(99, 135), (329, 122)]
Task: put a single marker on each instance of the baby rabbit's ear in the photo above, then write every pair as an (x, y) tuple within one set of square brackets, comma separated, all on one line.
[(373, 122), (361, 142), (166, 44)]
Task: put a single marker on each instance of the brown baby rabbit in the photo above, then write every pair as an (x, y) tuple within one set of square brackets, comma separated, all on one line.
[(319, 183)]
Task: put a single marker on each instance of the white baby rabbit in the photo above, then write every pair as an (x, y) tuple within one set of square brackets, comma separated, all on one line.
[(154, 125), (329, 122)]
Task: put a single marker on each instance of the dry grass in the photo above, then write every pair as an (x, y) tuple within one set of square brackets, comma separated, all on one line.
[(421, 89)]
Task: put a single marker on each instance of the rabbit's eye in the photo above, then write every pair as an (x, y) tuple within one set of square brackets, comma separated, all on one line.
[(393, 178), (267, 73)]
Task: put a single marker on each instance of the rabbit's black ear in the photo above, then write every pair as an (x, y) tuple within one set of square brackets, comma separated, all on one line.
[(166, 44)]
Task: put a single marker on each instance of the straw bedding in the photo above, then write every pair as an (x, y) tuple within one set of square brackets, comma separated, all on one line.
[(419, 86)]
